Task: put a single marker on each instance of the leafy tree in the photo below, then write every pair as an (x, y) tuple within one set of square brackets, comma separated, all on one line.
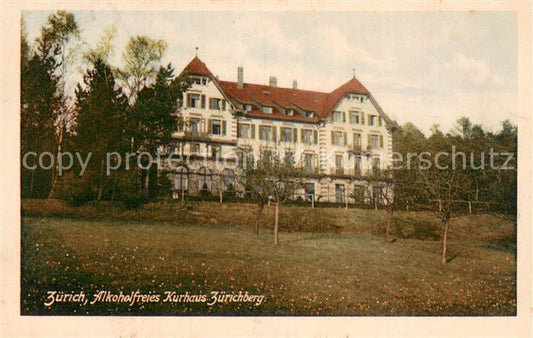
[(60, 30), (37, 104), (141, 58), (101, 118), (152, 115)]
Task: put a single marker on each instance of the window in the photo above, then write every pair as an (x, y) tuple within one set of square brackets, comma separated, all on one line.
[(286, 134), (358, 165), (215, 151), (266, 133), (244, 159), (246, 107), (194, 126), (216, 127), (339, 165), (228, 178), (376, 164), (355, 97), (214, 104), (181, 181), (194, 100), (309, 189), (373, 120), (336, 138), (374, 141), (337, 116), (243, 130), (357, 141), (289, 158), (339, 193), (267, 110), (194, 148), (307, 136), (308, 162), (204, 179), (309, 114), (355, 117), (288, 112)]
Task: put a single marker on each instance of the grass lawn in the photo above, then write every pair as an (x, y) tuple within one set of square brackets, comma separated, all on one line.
[(340, 270)]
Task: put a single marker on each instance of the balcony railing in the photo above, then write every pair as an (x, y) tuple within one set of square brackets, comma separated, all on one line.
[(195, 135)]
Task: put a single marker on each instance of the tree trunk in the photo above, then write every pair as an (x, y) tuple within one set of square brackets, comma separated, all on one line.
[(389, 223), (258, 217), (101, 183), (54, 170), (445, 240), (276, 224), (147, 182), (31, 181)]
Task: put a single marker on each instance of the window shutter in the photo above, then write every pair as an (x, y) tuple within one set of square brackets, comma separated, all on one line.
[(252, 126), (332, 137), (343, 116), (223, 127), (368, 140), (223, 104), (203, 101), (295, 135), (238, 130), (260, 132), (274, 134), (315, 161), (209, 126), (362, 117), (315, 136), (379, 120), (187, 100), (381, 141), (345, 138), (302, 139), (351, 118)]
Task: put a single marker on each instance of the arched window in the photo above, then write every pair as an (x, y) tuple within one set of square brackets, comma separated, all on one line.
[(228, 177), (181, 182), (204, 179)]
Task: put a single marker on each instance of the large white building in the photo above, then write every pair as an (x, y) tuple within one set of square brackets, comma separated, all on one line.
[(336, 137)]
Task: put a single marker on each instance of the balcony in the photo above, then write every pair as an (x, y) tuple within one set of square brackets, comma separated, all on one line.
[(195, 135)]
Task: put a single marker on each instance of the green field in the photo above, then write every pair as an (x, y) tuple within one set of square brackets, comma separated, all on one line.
[(328, 262)]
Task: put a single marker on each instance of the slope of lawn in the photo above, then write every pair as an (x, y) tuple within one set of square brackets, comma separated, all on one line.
[(335, 267)]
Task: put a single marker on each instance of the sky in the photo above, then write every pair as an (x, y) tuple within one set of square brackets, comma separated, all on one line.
[(422, 67)]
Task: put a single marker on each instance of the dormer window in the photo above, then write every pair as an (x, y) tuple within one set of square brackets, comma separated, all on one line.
[(246, 107), (199, 81), (267, 110), (355, 97), (310, 113), (288, 112)]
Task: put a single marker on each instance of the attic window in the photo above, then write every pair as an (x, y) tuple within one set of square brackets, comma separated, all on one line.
[(288, 112), (246, 107), (267, 110), (199, 81), (355, 97), (310, 113)]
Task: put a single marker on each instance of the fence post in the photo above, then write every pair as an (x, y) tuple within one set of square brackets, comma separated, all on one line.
[(313, 201), (469, 207), (440, 206)]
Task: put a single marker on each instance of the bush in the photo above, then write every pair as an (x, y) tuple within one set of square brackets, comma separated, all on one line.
[(76, 191), (133, 199)]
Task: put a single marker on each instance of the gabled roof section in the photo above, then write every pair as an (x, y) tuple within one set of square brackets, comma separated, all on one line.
[(275, 96), (352, 86), (198, 67)]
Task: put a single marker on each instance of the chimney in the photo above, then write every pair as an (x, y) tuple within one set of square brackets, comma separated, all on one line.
[(240, 77), (294, 84), (273, 81)]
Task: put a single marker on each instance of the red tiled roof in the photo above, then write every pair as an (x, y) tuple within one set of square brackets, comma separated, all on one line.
[(197, 66), (319, 102), (352, 86)]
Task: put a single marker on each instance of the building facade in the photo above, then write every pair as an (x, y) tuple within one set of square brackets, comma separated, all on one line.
[(336, 137)]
